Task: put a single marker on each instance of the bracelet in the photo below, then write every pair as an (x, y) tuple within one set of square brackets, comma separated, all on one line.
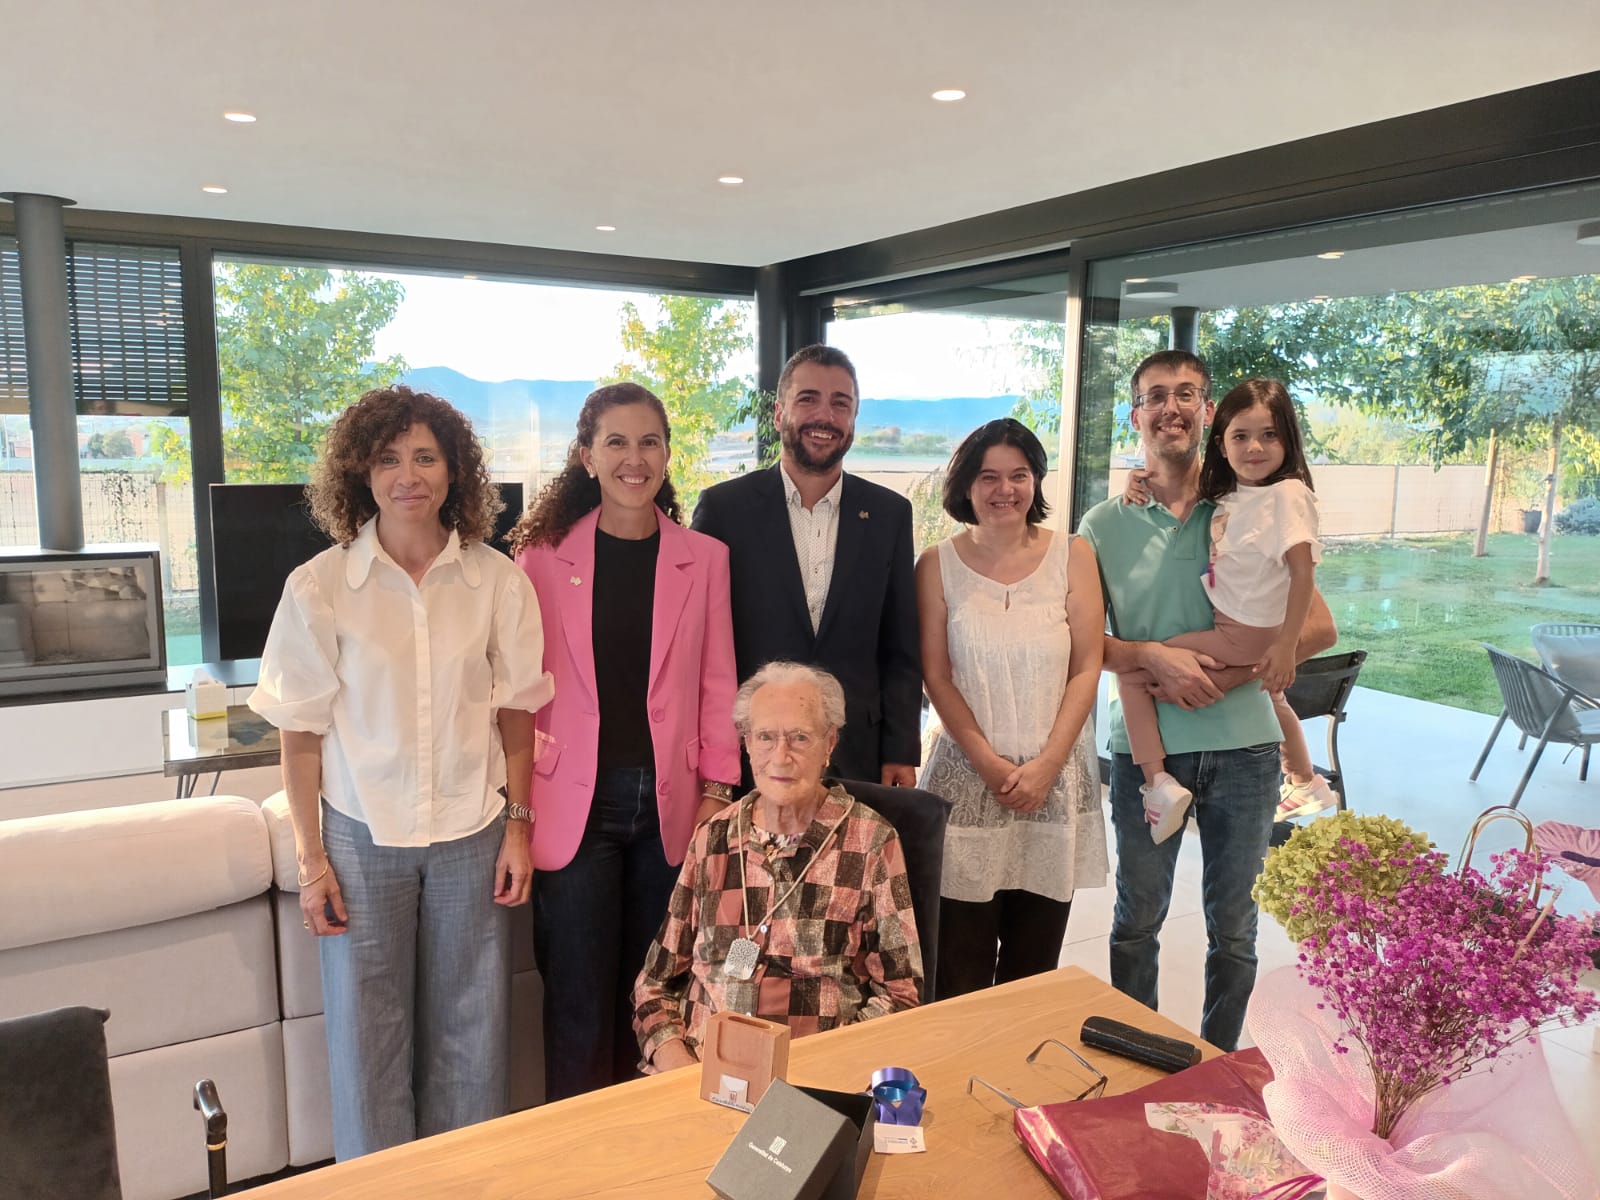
[(305, 883), (519, 812), (712, 790)]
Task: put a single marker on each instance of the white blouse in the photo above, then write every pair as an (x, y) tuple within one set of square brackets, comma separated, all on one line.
[(403, 682)]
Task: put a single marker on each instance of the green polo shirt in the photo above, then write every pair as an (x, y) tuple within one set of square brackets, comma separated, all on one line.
[(1151, 567)]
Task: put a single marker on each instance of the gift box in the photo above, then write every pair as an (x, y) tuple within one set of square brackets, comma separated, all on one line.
[(740, 1056), (798, 1144)]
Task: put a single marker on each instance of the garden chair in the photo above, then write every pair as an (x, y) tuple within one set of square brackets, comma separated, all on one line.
[(1322, 688), (1570, 652), (1541, 706)]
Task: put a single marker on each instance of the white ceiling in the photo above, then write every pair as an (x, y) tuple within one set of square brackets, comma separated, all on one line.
[(530, 121)]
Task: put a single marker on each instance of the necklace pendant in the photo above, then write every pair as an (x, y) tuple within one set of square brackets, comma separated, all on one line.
[(742, 958)]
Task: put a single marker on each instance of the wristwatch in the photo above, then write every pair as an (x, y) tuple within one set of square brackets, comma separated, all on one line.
[(519, 812)]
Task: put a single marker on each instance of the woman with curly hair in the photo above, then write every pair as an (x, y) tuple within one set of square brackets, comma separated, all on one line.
[(402, 668), (639, 745)]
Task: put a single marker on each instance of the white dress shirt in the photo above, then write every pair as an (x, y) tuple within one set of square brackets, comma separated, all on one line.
[(816, 537), (403, 681)]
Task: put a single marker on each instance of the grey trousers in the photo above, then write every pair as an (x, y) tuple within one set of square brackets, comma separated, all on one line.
[(417, 992)]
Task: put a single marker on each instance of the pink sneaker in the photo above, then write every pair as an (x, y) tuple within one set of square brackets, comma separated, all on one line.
[(1305, 799), (1166, 802)]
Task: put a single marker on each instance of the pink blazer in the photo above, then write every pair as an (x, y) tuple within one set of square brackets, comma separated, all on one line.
[(690, 697)]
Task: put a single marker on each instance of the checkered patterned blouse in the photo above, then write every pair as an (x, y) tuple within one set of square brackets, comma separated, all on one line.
[(843, 947)]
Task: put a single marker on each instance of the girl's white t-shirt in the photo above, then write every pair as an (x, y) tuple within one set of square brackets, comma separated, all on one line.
[(1251, 530)]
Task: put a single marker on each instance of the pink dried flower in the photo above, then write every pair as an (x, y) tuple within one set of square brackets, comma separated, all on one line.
[(1444, 974)]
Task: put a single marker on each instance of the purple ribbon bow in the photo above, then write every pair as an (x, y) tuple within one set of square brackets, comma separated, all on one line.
[(897, 1096)]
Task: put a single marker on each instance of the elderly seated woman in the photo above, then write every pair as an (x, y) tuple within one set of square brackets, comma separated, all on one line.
[(793, 903)]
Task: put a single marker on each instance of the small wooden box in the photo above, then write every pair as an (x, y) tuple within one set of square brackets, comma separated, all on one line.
[(739, 1059)]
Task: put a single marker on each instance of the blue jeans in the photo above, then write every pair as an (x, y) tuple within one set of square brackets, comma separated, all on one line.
[(417, 991), (594, 920), (1235, 796)]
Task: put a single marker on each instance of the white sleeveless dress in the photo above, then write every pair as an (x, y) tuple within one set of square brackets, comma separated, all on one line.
[(1009, 651)]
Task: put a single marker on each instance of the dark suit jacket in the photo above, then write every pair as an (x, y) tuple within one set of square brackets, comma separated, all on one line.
[(867, 638)]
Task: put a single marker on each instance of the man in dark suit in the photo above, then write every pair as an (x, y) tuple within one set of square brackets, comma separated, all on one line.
[(821, 566)]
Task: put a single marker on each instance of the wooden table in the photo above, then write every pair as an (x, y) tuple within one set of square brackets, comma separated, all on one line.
[(656, 1138), (190, 748)]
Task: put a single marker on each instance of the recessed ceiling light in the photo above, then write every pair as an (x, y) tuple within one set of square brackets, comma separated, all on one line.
[(240, 118), (1138, 279), (1152, 289), (1330, 255), (731, 180), (949, 95), (1589, 234), (605, 228), (215, 189)]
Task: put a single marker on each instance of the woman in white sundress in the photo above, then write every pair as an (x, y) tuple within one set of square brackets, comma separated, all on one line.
[(1000, 603)]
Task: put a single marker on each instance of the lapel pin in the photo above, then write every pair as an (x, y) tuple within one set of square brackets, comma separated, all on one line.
[(575, 581), (863, 514)]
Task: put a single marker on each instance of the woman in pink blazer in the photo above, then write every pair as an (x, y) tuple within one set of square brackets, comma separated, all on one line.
[(638, 745)]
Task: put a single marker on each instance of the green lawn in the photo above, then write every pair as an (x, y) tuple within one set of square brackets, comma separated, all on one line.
[(1420, 606)]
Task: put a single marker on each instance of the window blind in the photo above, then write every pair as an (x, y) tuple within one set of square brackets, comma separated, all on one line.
[(13, 356), (126, 316)]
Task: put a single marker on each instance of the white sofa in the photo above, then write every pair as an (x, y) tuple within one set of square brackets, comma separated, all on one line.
[(166, 915), (160, 913)]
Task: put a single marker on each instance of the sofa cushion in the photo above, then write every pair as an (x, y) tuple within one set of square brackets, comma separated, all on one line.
[(161, 1139), (299, 960), (305, 1082), (280, 834), (174, 981), (72, 874)]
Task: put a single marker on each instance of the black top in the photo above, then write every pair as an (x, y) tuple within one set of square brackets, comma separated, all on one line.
[(624, 607)]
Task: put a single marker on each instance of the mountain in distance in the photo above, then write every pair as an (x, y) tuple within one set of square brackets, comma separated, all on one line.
[(560, 399), (952, 416)]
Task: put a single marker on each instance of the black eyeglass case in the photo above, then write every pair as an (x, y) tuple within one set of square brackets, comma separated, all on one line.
[(1151, 1049)]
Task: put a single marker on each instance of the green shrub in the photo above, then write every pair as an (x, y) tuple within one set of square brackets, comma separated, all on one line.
[(1297, 863), (1581, 516)]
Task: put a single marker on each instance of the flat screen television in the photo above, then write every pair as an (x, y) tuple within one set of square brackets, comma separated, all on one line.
[(262, 531), (82, 620)]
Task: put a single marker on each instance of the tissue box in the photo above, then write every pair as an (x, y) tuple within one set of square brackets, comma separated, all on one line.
[(205, 698), (799, 1144), (740, 1057)]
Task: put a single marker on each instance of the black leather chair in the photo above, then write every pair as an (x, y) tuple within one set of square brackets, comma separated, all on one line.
[(919, 818), (57, 1133)]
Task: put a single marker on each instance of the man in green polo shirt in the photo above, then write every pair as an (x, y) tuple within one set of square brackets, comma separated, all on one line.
[(1217, 725)]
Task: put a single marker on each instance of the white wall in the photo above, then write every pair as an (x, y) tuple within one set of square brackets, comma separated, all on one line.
[(85, 739)]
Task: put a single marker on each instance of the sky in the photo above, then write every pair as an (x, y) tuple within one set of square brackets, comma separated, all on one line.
[(493, 331)]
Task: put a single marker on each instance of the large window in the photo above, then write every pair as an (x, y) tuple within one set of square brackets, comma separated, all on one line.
[(1446, 364), (296, 343), (938, 361), (19, 524), (130, 385)]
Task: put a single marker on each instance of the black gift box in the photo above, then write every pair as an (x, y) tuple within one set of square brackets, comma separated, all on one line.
[(798, 1144)]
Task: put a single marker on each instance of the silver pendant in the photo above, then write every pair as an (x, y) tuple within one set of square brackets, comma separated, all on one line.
[(742, 958)]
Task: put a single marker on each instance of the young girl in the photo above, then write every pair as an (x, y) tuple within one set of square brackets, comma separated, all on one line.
[(1264, 550)]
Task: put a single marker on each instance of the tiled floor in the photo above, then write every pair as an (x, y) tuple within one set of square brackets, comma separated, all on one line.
[(1408, 760)]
